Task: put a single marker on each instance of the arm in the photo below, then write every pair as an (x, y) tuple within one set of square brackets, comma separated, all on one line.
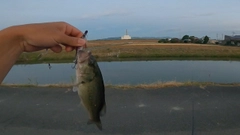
[(10, 50), (34, 37)]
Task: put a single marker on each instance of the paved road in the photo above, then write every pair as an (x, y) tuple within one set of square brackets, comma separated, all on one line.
[(167, 111)]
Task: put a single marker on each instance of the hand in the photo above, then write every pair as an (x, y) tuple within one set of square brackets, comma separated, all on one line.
[(34, 37), (52, 36)]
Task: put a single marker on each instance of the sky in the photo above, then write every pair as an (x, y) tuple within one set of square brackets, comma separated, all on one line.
[(142, 18)]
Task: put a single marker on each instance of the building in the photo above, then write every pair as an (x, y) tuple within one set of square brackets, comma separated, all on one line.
[(126, 36), (232, 38)]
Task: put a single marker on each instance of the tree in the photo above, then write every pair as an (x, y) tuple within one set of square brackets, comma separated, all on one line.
[(205, 40), (163, 41), (192, 38), (175, 40), (198, 41), (185, 37)]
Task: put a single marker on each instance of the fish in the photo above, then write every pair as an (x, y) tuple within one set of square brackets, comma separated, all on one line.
[(90, 86)]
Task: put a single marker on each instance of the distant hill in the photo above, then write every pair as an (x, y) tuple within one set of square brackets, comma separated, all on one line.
[(150, 37), (110, 38), (118, 38)]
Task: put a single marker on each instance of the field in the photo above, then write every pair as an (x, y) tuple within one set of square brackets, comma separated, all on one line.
[(114, 50)]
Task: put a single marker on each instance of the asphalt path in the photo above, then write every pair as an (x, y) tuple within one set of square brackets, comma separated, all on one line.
[(167, 111)]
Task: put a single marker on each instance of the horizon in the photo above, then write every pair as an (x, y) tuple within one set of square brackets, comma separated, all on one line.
[(155, 18)]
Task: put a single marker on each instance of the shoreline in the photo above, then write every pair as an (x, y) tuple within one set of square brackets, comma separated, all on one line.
[(134, 59), (156, 85)]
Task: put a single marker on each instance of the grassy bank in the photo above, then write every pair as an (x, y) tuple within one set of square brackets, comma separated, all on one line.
[(155, 85), (114, 50)]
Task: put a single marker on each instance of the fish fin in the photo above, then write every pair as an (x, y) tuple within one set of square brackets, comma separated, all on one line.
[(103, 111), (75, 88), (98, 123)]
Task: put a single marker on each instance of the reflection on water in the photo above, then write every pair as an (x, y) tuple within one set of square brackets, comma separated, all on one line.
[(132, 72)]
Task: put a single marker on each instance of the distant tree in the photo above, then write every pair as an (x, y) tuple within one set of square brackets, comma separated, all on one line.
[(163, 41), (185, 37), (205, 40), (232, 43), (175, 40), (227, 43), (192, 38), (198, 41), (166, 40)]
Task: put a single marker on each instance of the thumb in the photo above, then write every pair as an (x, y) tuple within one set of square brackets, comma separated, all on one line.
[(71, 41)]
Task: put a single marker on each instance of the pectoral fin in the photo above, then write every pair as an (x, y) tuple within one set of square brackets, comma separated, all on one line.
[(75, 85), (75, 88)]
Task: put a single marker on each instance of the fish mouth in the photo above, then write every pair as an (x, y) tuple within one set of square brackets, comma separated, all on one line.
[(82, 56)]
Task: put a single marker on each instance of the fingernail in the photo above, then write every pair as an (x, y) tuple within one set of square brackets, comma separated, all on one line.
[(81, 41)]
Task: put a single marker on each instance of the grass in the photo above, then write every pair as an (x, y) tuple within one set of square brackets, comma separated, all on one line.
[(114, 50), (156, 85), (159, 85)]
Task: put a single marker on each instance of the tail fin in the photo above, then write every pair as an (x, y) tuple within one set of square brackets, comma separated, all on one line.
[(98, 123)]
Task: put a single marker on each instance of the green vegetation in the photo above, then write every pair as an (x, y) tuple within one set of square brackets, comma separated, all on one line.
[(185, 37), (43, 57), (114, 50), (205, 40)]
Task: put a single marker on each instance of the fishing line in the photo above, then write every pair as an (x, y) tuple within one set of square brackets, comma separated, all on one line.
[(40, 56), (79, 48)]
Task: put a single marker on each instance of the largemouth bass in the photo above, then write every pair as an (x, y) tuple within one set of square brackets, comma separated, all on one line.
[(90, 86)]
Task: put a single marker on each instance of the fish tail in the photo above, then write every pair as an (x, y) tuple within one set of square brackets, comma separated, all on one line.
[(98, 123)]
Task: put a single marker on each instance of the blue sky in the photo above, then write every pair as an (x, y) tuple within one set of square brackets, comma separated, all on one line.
[(142, 18)]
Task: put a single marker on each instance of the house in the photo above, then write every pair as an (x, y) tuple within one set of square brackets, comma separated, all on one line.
[(233, 40)]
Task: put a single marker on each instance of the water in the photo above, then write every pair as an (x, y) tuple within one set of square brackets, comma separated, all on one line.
[(132, 72)]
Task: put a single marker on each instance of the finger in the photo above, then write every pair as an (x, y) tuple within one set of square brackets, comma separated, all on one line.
[(71, 41), (73, 31), (56, 49), (69, 48)]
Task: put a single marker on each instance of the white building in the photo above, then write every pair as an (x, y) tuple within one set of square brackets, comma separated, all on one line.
[(126, 36)]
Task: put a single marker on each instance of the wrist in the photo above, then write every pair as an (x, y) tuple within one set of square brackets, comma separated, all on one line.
[(13, 38), (10, 49)]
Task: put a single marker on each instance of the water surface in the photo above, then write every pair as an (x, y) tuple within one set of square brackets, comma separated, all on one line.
[(132, 72)]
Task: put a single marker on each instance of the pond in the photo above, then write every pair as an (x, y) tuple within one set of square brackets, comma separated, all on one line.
[(131, 72)]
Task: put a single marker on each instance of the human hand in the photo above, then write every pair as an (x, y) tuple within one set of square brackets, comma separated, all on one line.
[(52, 36)]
